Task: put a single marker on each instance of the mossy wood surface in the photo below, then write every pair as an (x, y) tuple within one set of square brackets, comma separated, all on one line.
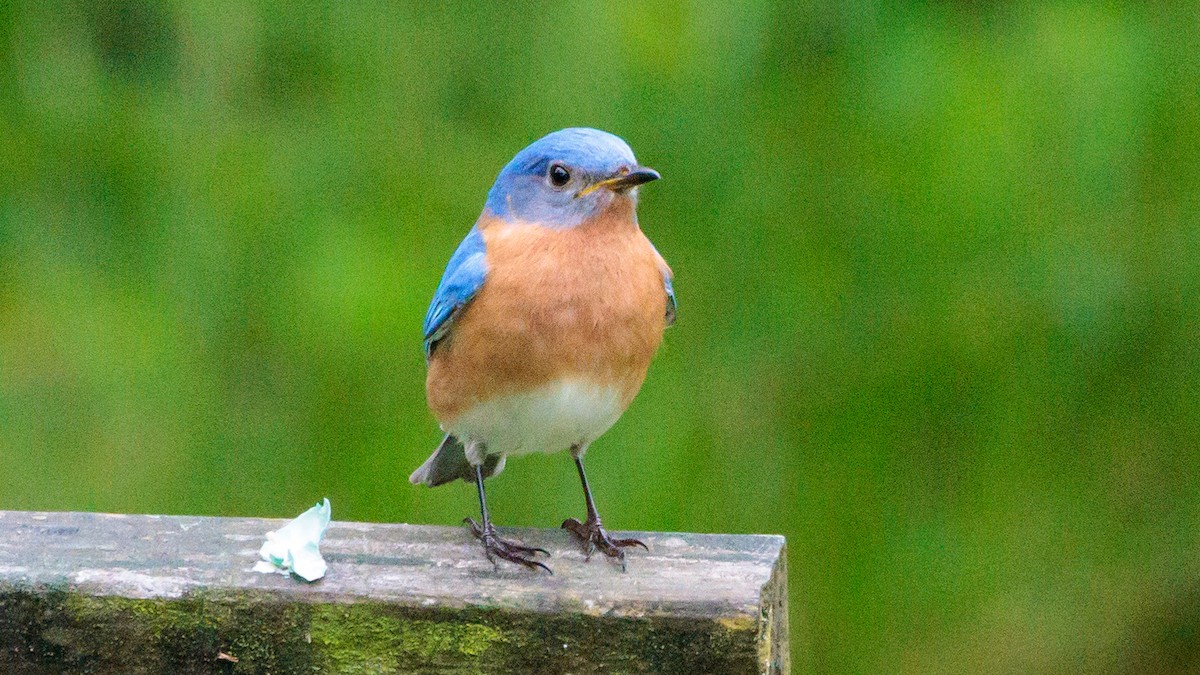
[(98, 593)]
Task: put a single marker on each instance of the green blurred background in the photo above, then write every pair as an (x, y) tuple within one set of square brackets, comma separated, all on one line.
[(937, 269)]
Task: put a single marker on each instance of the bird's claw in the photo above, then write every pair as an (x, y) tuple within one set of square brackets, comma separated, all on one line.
[(505, 549), (592, 536)]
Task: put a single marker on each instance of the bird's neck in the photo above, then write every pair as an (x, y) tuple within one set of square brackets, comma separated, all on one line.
[(619, 214)]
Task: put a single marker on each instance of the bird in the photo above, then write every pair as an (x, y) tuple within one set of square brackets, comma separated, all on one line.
[(544, 324)]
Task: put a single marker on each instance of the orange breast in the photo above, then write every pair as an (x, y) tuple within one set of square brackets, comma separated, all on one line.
[(587, 302)]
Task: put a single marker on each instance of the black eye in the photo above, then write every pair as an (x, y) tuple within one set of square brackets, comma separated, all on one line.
[(559, 176)]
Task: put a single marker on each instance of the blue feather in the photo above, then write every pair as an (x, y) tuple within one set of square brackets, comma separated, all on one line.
[(670, 298), (462, 280), (668, 285)]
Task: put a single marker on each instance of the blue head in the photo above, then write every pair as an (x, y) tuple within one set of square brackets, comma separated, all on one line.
[(567, 177)]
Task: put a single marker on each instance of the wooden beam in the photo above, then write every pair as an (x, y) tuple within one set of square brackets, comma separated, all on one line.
[(100, 593)]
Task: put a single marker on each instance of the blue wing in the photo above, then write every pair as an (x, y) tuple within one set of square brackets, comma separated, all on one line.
[(462, 280), (670, 298), (668, 285)]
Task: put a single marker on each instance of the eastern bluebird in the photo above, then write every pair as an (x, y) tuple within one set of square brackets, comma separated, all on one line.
[(545, 321)]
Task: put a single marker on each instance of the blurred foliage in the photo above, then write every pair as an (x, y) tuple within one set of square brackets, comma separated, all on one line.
[(938, 268)]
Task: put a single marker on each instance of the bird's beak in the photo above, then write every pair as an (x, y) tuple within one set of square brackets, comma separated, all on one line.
[(628, 178)]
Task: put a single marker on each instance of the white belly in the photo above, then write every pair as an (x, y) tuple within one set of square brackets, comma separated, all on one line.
[(548, 419)]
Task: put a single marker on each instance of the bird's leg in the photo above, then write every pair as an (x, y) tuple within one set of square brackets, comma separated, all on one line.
[(591, 533), (495, 547)]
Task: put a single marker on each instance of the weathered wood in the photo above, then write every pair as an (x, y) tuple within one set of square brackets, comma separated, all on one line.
[(101, 593)]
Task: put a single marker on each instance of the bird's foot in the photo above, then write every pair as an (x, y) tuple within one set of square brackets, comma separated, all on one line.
[(505, 549), (592, 536)]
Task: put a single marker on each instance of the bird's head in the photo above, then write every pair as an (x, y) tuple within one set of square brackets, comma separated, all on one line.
[(567, 177)]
